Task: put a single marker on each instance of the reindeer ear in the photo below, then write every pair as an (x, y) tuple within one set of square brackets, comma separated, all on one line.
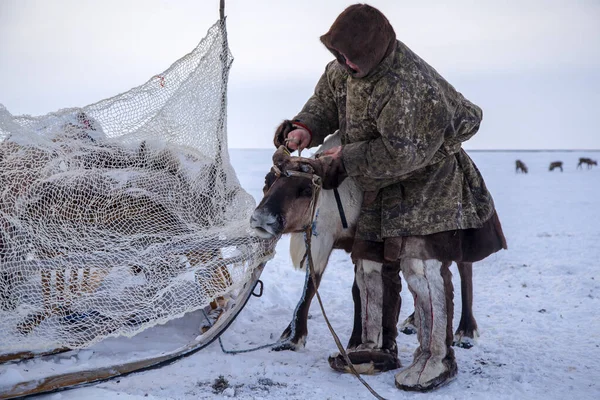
[(281, 155)]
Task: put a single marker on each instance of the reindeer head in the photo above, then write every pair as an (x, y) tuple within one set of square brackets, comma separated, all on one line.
[(288, 193)]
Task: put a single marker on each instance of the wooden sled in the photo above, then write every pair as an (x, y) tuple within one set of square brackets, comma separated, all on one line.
[(28, 355), (84, 377)]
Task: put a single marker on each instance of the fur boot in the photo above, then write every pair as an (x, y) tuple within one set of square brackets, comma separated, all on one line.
[(372, 346), (434, 364)]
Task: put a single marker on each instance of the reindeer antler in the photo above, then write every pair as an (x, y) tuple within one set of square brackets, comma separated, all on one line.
[(284, 161), (281, 155)]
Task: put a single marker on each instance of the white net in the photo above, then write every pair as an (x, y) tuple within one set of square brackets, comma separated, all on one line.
[(123, 214)]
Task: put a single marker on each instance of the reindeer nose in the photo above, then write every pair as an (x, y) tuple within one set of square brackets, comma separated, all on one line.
[(254, 221), (265, 224)]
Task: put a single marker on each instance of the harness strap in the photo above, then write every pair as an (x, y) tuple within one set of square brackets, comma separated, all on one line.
[(340, 208)]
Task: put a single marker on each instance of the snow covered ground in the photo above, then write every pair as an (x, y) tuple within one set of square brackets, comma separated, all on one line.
[(537, 305)]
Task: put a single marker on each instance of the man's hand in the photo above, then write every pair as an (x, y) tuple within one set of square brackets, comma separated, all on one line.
[(291, 136), (330, 167), (298, 139), (335, 153)]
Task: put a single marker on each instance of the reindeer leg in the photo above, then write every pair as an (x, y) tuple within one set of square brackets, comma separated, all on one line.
[(299, 324), (220, 280), (33, 320), (392, 302), (356, 336), (408, 326), (467, 327), (294, 336)]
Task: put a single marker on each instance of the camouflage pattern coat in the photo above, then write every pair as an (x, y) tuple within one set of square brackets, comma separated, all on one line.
[(402, 127)]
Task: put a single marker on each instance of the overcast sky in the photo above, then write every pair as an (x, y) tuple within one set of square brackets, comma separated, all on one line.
[(532, 65)]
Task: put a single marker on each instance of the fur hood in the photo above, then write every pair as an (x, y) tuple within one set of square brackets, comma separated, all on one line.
[(363, 35)]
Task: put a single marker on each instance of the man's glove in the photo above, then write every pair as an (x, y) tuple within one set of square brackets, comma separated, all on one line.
[(281, 133)]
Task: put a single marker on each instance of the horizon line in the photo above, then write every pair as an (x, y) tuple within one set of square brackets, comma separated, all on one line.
[(474, 150)]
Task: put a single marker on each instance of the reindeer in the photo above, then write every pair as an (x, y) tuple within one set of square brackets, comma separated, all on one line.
[(556, 164), (520, 166), (588, 161), (285, 209), (124, 213)]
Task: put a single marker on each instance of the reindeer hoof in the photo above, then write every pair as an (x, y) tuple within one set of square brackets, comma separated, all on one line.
[(293, 345), (287, 345), (464, 343), (409, 330), (408, 327), (464, 340)]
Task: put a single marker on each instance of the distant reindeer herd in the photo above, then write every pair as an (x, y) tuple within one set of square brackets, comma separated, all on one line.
[(521, 167)]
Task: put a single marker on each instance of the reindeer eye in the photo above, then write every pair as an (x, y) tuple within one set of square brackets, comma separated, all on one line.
[(306, 168), (305, 191)]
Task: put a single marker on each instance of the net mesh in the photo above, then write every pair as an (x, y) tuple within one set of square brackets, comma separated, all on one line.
[(125, 213)]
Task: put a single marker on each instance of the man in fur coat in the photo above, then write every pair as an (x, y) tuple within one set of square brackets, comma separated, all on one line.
[(425, 203)]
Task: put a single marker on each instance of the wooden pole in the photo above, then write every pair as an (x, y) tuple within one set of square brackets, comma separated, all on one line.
[(221, 127)]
